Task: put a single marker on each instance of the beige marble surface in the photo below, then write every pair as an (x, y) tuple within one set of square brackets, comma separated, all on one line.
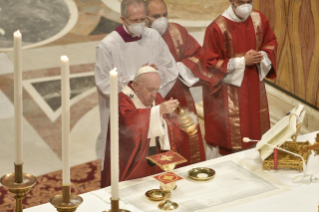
[(196, 10)]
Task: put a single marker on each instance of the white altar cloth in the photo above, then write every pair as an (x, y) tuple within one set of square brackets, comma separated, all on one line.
[(288, 197)]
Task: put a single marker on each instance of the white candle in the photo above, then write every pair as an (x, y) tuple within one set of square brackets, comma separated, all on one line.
[(65, 99), (114, 125), (18, 97)]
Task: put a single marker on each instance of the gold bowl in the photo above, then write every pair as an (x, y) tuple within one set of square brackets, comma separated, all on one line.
[(155, 195), (201, 173)]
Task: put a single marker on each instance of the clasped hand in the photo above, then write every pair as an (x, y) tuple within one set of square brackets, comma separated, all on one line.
[(253, 57)]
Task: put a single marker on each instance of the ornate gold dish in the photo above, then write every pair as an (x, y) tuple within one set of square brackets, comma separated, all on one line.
[(286, 160), (155, 195), (201, 173)]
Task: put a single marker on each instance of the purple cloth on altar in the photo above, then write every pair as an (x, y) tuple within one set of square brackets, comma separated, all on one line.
[(126, 36)]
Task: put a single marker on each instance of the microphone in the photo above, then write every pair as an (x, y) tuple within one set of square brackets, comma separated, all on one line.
[(305, 178)]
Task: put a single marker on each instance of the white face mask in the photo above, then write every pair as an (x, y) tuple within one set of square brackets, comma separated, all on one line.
[(160, 25), (136, 29), (243, 11)]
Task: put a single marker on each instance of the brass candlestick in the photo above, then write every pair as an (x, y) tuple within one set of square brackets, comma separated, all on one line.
[(18, 183), (66, 202), (115, 206)]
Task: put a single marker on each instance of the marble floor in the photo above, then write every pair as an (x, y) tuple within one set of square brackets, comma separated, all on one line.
[(51, 28)]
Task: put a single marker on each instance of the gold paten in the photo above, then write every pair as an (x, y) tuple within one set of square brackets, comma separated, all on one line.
[(155, 195), (286, 160), (193, 173), (18, 189), (66, 202), (187, 123)]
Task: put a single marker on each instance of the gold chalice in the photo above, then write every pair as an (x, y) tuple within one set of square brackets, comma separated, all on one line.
[(168, 205)]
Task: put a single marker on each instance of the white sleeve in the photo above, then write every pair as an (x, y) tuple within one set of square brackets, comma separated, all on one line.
[(164, 140), (156, 124), (166, 65), (235, 71), (103, 65), (186, 75), (264, 66), (158, 128)]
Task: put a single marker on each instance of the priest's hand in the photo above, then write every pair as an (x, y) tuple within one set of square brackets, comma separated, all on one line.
[(152, 65), (169, 106), (252, 57)]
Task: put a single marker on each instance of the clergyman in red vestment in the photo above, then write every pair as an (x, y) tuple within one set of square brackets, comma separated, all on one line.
[(186, 51), (240, 51), (147, 126)]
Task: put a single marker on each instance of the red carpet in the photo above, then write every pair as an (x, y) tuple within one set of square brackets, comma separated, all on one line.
[(84, 178)]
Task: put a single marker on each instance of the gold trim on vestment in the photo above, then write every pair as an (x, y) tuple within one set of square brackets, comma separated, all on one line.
[(219, 64), (171, 136), (234, 119), (240, 54), (194, 148), (271, 48), (255, 17), (177, 39), (196, 61), (228, 41), (264, 116)]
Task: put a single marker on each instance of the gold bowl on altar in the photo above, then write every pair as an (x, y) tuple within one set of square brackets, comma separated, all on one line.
[(201, 173), (155, 195)]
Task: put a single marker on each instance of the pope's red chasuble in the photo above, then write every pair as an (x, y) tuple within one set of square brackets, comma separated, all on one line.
[(232, 112), (185, 49), (133, 142)]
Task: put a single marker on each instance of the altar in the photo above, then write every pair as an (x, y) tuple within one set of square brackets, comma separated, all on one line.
[(239, 185)]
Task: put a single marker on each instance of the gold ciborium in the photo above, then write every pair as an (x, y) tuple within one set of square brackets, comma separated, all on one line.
[(19, 184), (187, 122), (66, 202)]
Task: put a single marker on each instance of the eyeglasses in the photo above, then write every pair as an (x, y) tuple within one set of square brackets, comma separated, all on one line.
[(239, 4), (143, 20)]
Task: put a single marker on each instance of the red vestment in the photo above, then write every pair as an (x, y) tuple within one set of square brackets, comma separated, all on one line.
[(186, 49), (231, 112), (133, 142)]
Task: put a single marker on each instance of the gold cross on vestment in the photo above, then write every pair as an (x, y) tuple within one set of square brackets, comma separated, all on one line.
[(165, 157)]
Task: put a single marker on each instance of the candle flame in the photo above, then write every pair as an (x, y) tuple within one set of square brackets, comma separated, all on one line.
[(113, 71), (18, 32), (64, 58)]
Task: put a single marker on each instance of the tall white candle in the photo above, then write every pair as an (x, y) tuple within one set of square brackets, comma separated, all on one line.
[(65, 98), (18, 97), (114, 125)]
